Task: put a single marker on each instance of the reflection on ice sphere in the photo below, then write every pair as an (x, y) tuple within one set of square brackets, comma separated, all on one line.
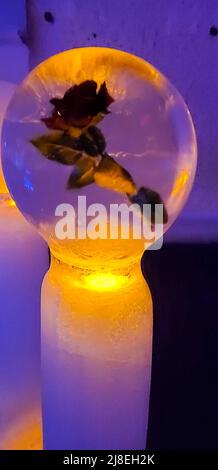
[(100, 123)]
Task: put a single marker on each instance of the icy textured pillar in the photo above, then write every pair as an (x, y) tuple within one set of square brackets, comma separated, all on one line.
[(23, 262), (96, 358)]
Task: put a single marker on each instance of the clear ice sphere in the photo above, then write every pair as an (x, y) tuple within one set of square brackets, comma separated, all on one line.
[(148, 131)]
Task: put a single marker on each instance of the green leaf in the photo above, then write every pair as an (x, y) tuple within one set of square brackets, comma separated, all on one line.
[(88, 145), (58, 147), (83, 174), (65, 148), (109, 174), (97, 137)]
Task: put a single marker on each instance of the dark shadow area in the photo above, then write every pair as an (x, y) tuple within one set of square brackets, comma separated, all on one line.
[(184, 391)]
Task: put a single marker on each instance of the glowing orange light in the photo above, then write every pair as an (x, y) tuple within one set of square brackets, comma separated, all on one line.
[(104, 281), (11, 203), (180, 182), (6, 200), (24, 434)]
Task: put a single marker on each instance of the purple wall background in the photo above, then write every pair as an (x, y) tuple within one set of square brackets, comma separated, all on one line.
[(174, 35)]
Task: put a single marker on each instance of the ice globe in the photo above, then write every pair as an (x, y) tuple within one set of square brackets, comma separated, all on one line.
[(88, 134), (103, 124)]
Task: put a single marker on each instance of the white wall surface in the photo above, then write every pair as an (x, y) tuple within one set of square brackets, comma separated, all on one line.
[(171, 34)]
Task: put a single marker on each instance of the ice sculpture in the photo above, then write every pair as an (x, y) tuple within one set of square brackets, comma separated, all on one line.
[(103, 128), (20, 282)]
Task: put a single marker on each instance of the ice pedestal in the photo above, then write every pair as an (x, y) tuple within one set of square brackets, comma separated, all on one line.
[(23, 263), (96, 358), (106, 125)]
